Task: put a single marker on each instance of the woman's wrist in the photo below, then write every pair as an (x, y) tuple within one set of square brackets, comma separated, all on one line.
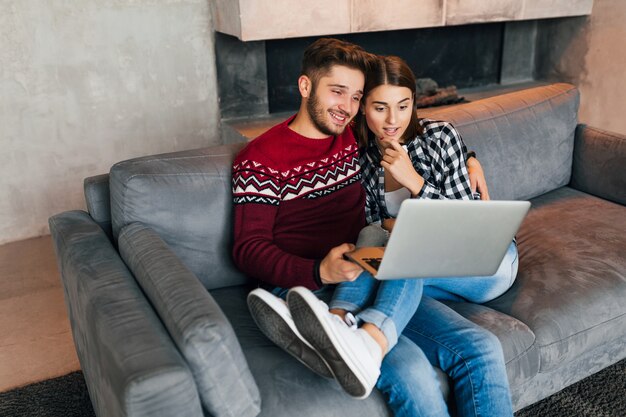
[(417, 186)]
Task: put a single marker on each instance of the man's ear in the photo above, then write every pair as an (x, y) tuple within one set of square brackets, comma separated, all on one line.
[(304, 85)]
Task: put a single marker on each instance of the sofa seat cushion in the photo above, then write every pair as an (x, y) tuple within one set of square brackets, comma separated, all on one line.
[(287, 387), (571, 284), (518, 341)]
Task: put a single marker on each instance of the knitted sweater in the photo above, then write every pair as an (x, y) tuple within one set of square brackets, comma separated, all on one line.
[(295, 198)]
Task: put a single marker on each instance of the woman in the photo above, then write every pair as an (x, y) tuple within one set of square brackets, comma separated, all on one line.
[(406, 157)]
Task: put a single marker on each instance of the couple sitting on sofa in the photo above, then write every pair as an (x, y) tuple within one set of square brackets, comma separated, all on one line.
[(305, 188)]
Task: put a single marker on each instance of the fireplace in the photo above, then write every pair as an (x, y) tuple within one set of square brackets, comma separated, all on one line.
[(258, 64)]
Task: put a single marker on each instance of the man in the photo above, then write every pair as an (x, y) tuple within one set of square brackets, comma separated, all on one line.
[(299, 207)]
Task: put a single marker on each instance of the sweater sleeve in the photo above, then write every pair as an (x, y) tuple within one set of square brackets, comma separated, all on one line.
[(256, 196), (451, 178)]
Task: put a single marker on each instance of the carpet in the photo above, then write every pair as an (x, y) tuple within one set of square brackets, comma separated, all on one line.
[(600, 395)]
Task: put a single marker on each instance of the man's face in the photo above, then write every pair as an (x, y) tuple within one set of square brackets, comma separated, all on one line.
[(334, 99)]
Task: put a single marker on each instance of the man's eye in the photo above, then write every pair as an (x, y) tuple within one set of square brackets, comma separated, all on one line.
[(337, 92), (356, 98)]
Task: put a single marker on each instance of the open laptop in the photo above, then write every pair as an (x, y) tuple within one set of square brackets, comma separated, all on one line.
[(445, 238)]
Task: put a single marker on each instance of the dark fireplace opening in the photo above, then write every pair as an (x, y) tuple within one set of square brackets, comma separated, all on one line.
[(464, 56)]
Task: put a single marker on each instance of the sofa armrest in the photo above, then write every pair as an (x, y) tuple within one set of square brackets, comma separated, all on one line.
[(129, 361), (195, 322), (599, 165), (98, 200)]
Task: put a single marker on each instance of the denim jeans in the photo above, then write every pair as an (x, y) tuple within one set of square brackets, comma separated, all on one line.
[(470, 355), (407, 379), (390, 304)]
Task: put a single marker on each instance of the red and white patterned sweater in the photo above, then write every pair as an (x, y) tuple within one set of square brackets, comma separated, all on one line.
[(295, 199)]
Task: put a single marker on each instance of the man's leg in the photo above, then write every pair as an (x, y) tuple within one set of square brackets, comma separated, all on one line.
[(469, 354), (409, 383)]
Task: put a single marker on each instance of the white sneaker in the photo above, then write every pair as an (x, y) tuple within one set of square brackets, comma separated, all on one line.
[(352, 354), (274, 319)]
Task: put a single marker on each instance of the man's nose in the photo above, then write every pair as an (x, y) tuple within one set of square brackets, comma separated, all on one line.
[(346, 104)]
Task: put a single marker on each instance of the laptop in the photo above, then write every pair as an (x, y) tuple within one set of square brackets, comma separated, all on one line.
[(445, 238)]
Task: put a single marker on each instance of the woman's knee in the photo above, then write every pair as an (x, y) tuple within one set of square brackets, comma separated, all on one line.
[(372, 235)]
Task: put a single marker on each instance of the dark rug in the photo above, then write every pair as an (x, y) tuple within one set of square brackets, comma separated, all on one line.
[(600, 395)]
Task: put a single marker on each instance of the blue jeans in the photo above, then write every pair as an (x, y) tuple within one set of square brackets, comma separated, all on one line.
[(407, 379), (390, 304), (469, 354)]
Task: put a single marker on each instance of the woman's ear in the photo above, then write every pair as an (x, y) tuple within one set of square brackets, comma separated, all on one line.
[(304, 85)]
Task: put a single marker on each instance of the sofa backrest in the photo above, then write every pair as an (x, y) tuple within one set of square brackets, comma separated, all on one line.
[(186, 198), (524, 140)]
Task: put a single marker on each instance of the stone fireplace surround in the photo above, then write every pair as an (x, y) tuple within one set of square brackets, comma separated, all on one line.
[(468, 43)]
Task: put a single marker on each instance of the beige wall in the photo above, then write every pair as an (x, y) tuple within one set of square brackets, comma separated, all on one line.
[(603, 79), (591, 53), (84, 84)]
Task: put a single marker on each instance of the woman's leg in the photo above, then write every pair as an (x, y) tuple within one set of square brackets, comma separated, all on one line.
[(355, 295), (388, 305), (469, 354), (476, 289), (409, 383)]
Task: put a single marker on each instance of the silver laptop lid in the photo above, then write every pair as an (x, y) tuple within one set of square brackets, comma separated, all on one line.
[(450, 238)]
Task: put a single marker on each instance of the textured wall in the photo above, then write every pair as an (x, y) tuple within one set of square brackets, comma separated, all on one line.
[(589, 52), (84, 84)]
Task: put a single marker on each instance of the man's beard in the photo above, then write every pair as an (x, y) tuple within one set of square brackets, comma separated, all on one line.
[(317, 115)]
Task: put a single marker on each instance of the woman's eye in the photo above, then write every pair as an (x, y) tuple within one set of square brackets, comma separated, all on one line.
[(403, 107), (379, 109)]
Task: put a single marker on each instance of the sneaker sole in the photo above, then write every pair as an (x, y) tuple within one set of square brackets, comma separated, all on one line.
[(275, 328), (323, 338)]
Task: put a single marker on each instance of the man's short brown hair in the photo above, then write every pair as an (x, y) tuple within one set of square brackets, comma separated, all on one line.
[(325, 53)]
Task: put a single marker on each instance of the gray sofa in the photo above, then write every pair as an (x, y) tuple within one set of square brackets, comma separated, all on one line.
[(158, 310)]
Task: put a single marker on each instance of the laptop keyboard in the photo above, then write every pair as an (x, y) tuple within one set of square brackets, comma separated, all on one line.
[(373, 262)]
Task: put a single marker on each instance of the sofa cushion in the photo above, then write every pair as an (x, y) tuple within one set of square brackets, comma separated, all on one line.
[(96, 191), (186, 198), (571, 284), (524, 140), (287, 387), (518, 341), (599, 165), (195, 322)]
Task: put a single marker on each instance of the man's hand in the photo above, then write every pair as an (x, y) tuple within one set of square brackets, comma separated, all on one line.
[(397, 161), (334, 268), (477, 178)]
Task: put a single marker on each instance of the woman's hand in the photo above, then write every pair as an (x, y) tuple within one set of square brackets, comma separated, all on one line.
[(477, 178), (397, 161), (388, 224)]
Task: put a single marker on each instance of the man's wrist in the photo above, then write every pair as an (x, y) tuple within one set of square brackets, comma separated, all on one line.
[(317, 276)]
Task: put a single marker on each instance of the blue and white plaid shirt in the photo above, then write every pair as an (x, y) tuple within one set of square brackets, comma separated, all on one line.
[(438, 155)]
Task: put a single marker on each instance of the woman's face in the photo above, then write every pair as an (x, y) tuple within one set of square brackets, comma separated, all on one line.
[(388, 110)]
